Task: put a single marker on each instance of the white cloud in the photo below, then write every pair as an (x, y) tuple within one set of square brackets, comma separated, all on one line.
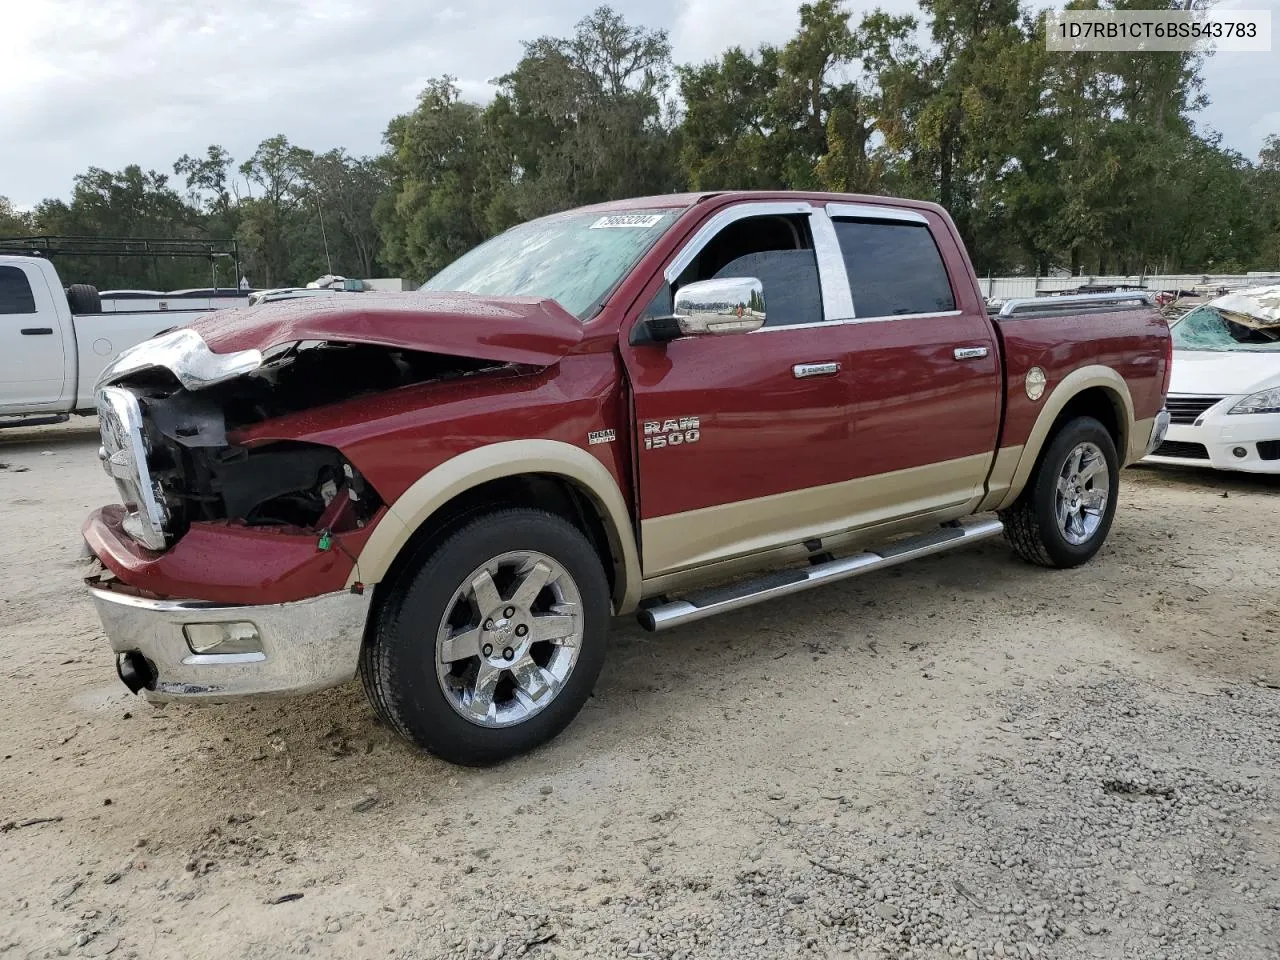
[(1244, 108), (705, 28), (110, 82)]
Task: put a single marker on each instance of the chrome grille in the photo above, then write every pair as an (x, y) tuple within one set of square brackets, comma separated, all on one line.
[(124, 457), (1187, 408)]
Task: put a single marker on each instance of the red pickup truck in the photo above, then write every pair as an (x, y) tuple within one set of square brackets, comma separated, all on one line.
[(671, 406)]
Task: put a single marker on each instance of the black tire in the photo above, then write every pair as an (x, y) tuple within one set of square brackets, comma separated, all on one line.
[(83, 298), (398, 660), (1031, 524)]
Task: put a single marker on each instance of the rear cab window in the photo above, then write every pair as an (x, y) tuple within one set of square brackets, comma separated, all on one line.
[(15, 292), (894, 268)]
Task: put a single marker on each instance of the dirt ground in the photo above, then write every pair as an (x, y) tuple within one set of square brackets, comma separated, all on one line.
[(963, 757)]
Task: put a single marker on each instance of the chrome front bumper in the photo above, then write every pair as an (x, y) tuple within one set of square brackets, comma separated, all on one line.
[(306, 645)]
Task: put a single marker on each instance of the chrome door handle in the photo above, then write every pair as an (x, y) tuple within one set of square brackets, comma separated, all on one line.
[(969, 353), (825, 369)]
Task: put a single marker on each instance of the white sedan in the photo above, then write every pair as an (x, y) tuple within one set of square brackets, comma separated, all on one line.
[(1224, 396)]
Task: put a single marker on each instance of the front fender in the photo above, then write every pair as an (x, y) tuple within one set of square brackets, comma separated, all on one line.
[(495, 461)]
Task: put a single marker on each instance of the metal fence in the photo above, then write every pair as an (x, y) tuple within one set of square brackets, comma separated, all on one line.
[(1005, 288)]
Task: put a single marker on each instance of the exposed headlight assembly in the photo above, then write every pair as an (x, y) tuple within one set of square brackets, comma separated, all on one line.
[(1264, 401)]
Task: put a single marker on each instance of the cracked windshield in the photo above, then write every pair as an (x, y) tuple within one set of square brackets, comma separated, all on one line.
[(1206, 328), (574, 259)]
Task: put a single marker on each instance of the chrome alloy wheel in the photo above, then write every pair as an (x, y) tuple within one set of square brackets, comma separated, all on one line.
[(509, 639), (1083, 488)]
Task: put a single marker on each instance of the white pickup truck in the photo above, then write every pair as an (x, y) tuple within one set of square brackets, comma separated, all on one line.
[(54, 342)]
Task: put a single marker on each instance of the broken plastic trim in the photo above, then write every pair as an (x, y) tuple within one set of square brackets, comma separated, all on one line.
[(184, 354)]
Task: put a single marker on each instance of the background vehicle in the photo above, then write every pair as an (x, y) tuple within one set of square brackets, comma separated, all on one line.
[(1224, 397), (196, 300), (673, 406), (326, 286), (54, 342)]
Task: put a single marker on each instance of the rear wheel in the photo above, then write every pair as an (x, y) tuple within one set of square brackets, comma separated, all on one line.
[(490, 641), (1063, 516)]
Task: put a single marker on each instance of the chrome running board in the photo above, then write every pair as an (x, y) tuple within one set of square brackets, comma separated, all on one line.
[(707, 603)]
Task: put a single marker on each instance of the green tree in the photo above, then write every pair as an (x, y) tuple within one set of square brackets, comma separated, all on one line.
[(437, 205), (14, 222), (728, 125), (800, 116), (277, 168), (345, 190), (1264, 188), (585, 118), (127, 203), (208, 180), (1088, 161), (952, 117), (852, 110)]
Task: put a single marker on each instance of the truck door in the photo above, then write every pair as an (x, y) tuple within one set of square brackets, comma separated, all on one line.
[(740, 437), (924, 361), (32, 358)]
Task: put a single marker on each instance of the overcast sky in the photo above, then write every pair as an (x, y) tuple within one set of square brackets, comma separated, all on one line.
[(110, 82)]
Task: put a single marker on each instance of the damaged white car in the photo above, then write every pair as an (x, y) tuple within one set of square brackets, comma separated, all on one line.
[(1224, 398)]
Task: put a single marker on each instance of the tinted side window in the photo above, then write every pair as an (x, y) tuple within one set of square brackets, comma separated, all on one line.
[(15, 292), (893, 268), (792, 291)]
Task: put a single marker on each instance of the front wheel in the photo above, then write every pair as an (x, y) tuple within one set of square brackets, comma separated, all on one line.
[(1063, 516), (490, 642)]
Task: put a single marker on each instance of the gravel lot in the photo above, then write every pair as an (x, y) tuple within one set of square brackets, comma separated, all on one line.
[(964, 757)]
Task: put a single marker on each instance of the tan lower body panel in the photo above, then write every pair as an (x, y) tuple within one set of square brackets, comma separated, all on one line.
[(1002, 472), (1139, 437), (838, 543), (713, 534)]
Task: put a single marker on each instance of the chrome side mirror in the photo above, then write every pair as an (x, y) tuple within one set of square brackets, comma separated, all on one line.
[(716, 307)]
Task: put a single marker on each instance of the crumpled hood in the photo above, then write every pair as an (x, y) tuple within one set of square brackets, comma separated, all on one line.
[(503, 329), (1225, 373), (1256, 307)]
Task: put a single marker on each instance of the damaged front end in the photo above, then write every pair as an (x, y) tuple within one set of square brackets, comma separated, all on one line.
[(225, 569), (168, 414)]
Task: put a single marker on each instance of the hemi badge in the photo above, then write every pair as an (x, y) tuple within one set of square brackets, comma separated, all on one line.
[(601, 436)]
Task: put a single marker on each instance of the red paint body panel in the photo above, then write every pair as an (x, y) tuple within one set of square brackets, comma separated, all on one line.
[(1131, 342), (396, 437), (227, 563), (901, 399), (913, 402), (762, 431), (506, 329)]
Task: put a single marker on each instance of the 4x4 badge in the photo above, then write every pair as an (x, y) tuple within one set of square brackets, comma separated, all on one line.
[(601, 436)]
